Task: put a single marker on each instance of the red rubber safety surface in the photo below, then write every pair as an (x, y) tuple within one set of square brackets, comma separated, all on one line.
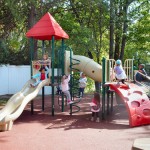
[(136, 101), (41, 131)]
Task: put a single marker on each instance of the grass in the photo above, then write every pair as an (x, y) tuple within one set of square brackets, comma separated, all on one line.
[(3, 101)]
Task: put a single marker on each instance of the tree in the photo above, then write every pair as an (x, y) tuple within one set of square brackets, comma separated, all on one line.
[(138, 42), (93, 25), (111, 22)]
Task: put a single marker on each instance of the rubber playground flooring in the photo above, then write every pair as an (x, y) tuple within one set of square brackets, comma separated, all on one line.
[(42, 131)]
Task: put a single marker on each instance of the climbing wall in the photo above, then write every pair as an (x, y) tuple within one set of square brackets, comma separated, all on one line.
[(136, 101)]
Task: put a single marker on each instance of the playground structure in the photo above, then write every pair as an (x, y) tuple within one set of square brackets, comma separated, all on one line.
[(70, 63), (17, 102), (135, 98)]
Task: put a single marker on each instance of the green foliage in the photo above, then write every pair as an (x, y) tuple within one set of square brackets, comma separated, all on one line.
[(3, 101), (138, 44), (85, 21), (3, 53), (90, 86)]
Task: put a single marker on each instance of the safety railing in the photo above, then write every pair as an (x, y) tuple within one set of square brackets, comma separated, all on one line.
[(128, 68), (110, 74), (145, 84), (37, 64), (109, 70)]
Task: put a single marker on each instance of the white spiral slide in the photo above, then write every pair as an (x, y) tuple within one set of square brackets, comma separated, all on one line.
[(91, 68), (16, 104)]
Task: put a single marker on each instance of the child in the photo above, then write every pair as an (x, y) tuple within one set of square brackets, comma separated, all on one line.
[(40, 76), (82, 84), (45, 61), (65, 87), (139, 76), (59, 90), (95, 107), (119, 72)]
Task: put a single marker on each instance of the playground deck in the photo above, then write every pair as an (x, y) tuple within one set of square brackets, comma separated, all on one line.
[(41, 131)]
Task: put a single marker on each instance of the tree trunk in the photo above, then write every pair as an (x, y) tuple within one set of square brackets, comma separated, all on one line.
[(118, 33), (117, 45), (31, 22), (125, 26), (111, 43)]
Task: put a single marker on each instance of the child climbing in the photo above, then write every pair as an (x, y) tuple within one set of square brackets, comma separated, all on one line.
[(65, 87), (95, 107), (59, 90), (42, 75)]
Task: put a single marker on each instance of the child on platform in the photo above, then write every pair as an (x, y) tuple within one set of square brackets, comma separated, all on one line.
[(45, 61), (119, 72), (65, 87), (42, 75), (95, 107)]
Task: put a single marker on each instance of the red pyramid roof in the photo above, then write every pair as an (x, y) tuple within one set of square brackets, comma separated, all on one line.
[(45, 28)]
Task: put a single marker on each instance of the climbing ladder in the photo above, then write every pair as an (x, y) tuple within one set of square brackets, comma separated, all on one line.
[(74, 83), (74, 77)]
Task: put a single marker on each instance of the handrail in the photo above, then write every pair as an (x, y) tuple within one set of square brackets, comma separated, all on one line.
[(145, 76), (78, 108), (128, 67), (147, 90), (76, 62)]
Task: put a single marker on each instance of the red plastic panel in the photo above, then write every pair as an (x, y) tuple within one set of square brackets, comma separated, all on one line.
[(136, 101)]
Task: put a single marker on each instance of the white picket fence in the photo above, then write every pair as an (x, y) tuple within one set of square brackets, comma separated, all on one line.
[(13, 78)]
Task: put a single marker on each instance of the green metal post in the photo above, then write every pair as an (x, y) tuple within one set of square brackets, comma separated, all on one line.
[(63, 55), (31, 42), (52, 59), (63, 71), (71, 83), (43, 89), (49, 52), (133, 69), (43, 93), (103, 88), (43, 44)]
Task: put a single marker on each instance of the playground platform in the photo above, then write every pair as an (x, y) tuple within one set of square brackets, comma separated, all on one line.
[(42, 131)]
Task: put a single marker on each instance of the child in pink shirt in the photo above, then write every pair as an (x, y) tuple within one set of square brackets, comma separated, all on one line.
[(95, 107), (65, 87)]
